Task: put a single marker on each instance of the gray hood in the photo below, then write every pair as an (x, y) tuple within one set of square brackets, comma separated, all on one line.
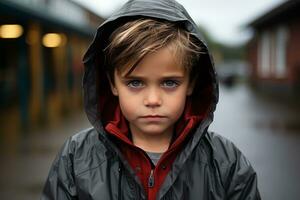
[(98, 100)]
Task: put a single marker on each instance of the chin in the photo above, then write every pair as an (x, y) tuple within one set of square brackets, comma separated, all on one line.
[(154, 130)]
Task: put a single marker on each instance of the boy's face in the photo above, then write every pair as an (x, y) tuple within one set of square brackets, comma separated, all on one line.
[(152, 97)]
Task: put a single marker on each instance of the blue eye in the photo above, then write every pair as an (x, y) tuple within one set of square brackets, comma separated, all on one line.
[(170, 84), (135, 84)]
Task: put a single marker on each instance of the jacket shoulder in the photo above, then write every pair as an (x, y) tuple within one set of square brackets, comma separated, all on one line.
[(223, 150), (238, 177), (85, 137), (79, 154), (85, 150)]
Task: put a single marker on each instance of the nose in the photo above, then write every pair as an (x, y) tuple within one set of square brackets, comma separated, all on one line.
[(153, 98)]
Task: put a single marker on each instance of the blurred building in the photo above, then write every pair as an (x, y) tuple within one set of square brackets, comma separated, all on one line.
[(41, 47), (274, 51)]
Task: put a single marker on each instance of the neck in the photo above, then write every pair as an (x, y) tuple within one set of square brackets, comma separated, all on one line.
[(156, 143)]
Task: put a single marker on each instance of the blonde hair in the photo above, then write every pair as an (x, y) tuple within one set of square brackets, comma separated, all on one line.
[(131, 42)]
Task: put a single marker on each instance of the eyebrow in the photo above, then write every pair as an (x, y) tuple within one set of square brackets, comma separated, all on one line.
[(145, 77)]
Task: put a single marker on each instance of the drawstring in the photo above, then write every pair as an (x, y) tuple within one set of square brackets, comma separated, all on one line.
[(120, 181)]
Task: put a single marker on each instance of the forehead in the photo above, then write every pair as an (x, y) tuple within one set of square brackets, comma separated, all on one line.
[(163, 62)]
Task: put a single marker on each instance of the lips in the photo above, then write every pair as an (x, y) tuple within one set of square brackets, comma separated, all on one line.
[(153, 118)]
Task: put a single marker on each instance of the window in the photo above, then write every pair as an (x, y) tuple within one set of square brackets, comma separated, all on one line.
[(281, 44), (272, 53), (264, 54)]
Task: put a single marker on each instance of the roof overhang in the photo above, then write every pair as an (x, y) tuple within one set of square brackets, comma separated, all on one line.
[(285, 11), (24, 13)]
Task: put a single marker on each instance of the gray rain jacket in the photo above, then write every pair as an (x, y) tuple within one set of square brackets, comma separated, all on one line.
[(91, 165)]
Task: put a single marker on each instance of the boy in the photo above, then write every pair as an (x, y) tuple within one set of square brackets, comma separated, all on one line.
[(150, 93)]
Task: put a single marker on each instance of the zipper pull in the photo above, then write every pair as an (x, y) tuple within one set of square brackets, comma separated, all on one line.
[(151, 179)]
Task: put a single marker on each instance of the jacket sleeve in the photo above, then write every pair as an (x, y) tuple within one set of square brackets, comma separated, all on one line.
[(241, 180), (60, 183)]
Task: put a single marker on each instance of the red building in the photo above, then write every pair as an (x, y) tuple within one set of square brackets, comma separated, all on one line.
[(274, 51)]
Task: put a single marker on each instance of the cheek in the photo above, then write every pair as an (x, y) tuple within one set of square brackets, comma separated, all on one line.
[(128, 106), (176, 105)]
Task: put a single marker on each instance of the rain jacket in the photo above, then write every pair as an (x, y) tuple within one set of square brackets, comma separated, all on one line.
[(102, 163)]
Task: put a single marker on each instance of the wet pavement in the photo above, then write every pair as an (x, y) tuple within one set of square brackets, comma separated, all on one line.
[(25, 165), (266, 129)]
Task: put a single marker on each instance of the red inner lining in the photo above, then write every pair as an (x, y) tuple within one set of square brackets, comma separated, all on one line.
[(118, 127)]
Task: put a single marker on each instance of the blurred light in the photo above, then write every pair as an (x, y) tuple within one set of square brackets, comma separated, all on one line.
[(52, 40), (10, 31)]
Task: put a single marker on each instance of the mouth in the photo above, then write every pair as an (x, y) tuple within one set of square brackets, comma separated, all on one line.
[(153, 116)]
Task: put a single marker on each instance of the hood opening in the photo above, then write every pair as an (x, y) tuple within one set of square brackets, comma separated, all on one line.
[(102, 106)]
